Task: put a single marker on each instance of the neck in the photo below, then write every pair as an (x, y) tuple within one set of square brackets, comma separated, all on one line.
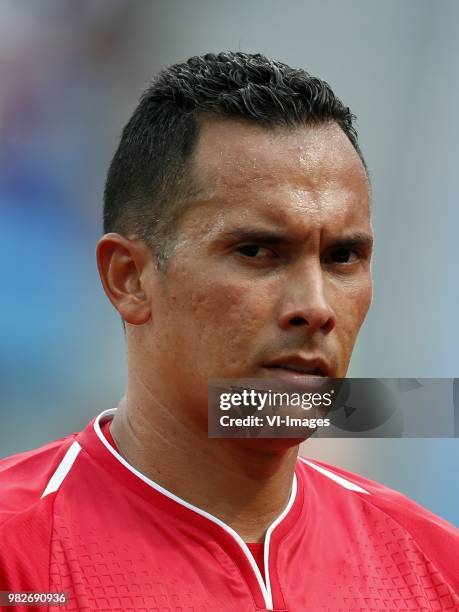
[(244, 483)]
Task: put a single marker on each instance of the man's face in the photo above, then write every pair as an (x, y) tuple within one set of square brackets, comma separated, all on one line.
[(271, 273)]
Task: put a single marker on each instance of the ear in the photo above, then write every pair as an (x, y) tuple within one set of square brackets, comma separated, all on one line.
[(122, 263)]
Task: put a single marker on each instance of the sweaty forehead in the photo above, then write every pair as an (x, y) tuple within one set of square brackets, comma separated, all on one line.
[(231, 156)]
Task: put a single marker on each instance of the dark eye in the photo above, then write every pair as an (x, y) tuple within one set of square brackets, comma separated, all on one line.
[(253, 250), (343, 256)]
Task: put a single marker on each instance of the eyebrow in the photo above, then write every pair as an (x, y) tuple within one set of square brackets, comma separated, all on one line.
[(360, 239), (257, 235)]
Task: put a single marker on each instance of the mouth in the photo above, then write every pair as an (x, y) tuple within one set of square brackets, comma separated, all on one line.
[(297, 368), (306, 378), (310, 377)]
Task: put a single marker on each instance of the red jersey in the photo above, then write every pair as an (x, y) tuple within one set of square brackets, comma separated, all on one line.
[(75, 517)]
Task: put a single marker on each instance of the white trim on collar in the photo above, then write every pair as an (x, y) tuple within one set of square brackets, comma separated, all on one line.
[(265, 588)]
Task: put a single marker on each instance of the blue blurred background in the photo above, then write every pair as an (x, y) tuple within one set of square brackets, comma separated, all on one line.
[(71, 74)]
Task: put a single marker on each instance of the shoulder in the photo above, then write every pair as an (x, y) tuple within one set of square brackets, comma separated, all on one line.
[(434, 537), (25, 476), (401, 508), (26, 514)]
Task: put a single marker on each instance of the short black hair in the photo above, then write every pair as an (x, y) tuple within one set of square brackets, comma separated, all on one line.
[(147, 184)]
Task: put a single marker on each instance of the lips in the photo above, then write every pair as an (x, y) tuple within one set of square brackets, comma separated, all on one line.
[(299, 366), (299, 369)]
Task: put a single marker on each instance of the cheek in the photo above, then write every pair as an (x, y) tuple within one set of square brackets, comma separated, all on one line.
[(353, 311), (219, 318)]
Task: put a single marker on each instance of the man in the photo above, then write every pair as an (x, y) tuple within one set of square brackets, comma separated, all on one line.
[(237, 245)]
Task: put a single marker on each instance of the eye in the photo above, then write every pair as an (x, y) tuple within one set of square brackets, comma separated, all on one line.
[(343, 256), (254, 251)]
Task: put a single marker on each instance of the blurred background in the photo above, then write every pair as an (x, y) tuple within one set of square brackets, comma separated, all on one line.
[(71, 74)]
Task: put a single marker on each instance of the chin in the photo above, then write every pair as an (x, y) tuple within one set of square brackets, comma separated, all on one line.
[(269, 445)]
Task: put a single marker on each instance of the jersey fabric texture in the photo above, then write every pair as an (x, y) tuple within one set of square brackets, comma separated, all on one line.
[(256, 549), (75, 517)]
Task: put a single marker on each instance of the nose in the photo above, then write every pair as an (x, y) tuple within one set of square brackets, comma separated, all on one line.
[(306, 304)]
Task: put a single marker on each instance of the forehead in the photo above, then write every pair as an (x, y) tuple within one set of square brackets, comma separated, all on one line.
[(250, 170)]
